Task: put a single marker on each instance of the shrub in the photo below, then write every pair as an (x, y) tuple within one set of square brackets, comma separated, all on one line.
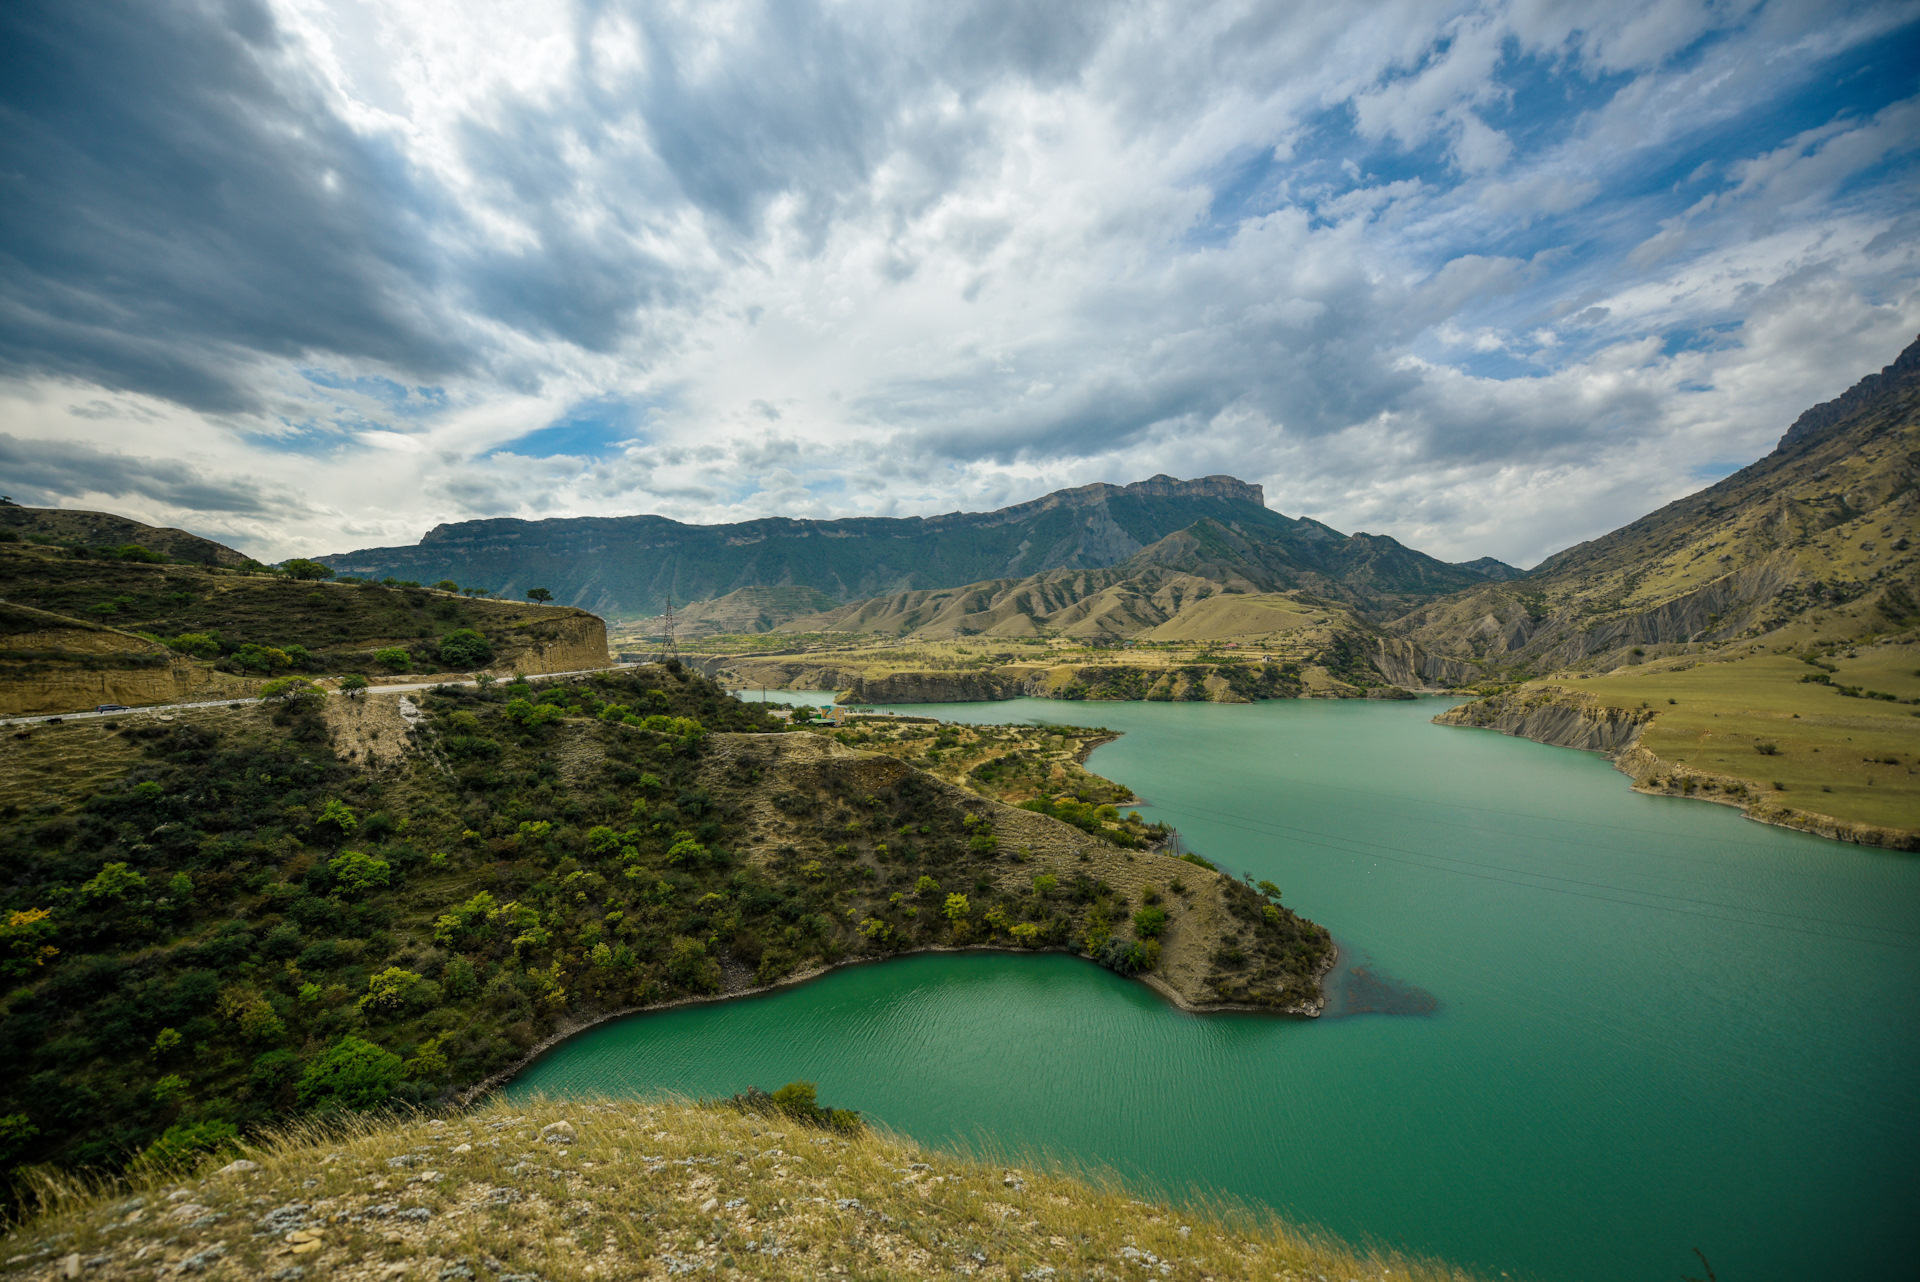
[(355, 872), (266, 658), (1767, 749), (393, 658), (799, 1101), (351, 1074), (957, 908), (1149, 922), (690, 966), (926, 886), (115, 881), (339, 815), (184, 1144), (395, 991), (201, 645), (451, 928), (465, 648), (16, 1132), (23, 941)]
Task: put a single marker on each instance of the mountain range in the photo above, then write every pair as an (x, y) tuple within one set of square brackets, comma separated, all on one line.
[(630, 567)]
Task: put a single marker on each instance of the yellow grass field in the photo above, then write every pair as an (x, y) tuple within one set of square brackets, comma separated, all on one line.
[(1852, 758)]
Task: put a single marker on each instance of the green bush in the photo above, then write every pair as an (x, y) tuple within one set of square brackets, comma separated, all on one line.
[(395, 992), (184, 1144), (115, 881), (689, 965), (466, 649), (1149, 922), (356, 872), (351, 1074), (393, 658)]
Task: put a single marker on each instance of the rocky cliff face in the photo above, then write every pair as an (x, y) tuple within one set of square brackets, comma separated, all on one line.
[(572, 641), (1409, 666), (1565, 720), (50, 665)]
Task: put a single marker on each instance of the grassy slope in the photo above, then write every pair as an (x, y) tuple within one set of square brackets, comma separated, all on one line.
[(341, 623), (104, 529), (260, 956), (1834, 751), (655, 1189)]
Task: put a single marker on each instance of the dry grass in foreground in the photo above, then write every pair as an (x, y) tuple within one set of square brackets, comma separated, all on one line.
[(562, 1190)]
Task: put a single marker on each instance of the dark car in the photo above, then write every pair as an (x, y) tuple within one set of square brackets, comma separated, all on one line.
[(113, 707)]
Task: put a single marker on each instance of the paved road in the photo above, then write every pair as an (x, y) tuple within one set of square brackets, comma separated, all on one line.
[(230, 703)]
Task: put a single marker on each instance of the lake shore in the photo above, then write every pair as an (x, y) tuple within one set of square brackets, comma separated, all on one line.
[(506, 1075)]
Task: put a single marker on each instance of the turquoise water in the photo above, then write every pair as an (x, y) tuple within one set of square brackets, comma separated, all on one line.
[(1653, 1025)]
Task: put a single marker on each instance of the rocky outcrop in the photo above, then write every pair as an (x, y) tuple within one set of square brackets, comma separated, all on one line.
[(570, 641), (1409, 666), (1895, 380), (1553, 717)]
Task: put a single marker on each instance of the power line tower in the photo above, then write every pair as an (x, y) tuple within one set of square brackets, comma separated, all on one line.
[(668, 650)]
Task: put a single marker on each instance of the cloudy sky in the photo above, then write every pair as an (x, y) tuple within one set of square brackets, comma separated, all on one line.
[(312, 275)]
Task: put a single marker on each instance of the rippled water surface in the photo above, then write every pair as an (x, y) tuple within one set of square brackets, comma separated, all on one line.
[(1587, 1031)]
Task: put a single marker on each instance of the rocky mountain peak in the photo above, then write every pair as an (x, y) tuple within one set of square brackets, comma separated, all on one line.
[(1903, 375)]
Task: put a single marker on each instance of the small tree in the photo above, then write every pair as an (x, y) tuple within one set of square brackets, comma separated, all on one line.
[(295, 693), (393, 657), (446, 585), (539, 594), (301, 568), (353, 685)]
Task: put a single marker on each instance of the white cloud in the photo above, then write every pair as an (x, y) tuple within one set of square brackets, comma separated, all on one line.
[(874, 258)]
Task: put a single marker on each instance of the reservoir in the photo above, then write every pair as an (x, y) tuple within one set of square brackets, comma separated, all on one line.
[(1576, 1032)]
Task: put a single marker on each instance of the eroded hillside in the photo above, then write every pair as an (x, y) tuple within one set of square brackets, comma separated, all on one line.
[(1812, 544)]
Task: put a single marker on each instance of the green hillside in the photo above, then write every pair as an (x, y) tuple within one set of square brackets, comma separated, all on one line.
[(218, 919), (231, 618), (64, 527)]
